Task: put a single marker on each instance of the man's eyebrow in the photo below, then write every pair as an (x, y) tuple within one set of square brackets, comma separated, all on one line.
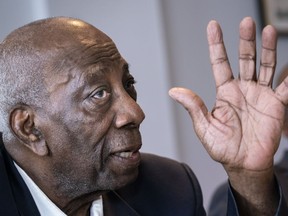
[(95, 70), (91, 73), (125, 68)]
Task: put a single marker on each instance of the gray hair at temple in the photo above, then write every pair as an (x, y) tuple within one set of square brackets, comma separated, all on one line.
[(21, 67)]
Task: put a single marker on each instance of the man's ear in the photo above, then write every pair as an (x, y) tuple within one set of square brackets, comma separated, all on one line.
[(23, 125)]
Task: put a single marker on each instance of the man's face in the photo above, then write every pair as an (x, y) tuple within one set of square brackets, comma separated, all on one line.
[(92, 123)]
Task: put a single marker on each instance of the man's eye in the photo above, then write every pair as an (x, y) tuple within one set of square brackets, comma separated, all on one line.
[(130, 84), (101, 94)]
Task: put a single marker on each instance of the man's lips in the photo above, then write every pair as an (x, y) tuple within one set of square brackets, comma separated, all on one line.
[(127, 156), (126, 152)]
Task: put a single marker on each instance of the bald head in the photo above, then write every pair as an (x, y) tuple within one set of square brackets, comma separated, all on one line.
[(57, 32), (46, 41), (30, 55)]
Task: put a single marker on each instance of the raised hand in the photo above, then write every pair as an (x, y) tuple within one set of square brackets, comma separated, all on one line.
[(243, 129)]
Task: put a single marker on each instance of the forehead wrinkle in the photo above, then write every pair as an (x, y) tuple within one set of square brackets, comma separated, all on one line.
[(100, 69), (93, 59), (90, 55), (93, 53), (92, 64)]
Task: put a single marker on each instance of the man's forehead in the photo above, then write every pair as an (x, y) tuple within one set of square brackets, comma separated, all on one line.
[(87, 73), (103, 68), (93, 52)]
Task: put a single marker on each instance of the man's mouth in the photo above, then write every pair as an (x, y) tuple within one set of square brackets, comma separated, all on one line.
[(128, 152), (132, 155), (126, 158)]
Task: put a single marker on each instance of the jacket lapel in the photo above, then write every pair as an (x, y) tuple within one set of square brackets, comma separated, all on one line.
[(15, 197), (8, 206), (115, 204)]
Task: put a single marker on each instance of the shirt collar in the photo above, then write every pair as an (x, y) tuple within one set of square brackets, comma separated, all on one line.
[(46, 206)]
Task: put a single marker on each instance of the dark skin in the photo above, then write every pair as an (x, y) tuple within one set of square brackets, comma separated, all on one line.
[(244, 128), (85, 141), (88, 138)]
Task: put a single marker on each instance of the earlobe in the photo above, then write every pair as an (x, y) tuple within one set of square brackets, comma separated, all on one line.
[(23, 125)]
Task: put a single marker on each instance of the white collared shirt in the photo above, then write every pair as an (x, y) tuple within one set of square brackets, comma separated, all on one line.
[(45, 206)]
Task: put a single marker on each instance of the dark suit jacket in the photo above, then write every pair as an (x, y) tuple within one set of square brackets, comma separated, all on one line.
[(164, 187)]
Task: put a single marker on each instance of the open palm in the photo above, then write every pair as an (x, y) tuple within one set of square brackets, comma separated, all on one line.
[(243, 129)]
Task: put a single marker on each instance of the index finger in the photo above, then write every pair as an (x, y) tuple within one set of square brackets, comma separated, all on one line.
[(218, 56)]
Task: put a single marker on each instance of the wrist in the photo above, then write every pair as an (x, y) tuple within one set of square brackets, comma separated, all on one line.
[(255, 192)]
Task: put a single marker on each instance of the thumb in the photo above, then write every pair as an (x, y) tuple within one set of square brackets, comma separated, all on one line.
[(194, 105)]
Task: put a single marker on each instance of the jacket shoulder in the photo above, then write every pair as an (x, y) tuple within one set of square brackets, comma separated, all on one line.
[(164, 187)]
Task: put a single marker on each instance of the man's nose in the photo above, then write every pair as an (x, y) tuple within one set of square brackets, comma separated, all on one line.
[(128, 112)]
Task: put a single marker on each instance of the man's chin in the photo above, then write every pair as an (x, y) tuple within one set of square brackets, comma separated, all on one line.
[(126, 179)]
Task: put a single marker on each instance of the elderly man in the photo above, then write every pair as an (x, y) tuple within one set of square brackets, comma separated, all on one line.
[(70, 126)]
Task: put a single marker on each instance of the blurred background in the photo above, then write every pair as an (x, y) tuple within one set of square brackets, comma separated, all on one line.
[(165, 43)]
